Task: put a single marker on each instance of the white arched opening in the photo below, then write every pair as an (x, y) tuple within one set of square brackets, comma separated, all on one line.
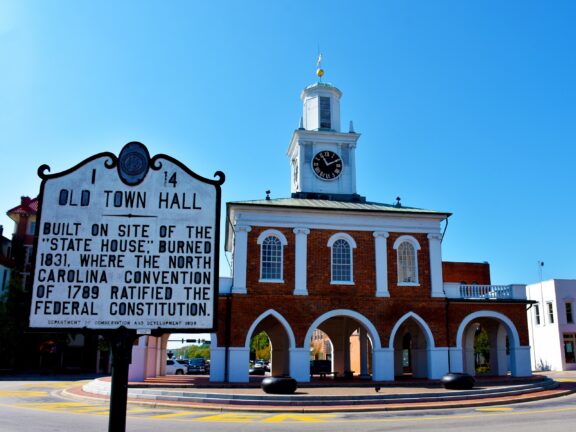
[(413, 344), (502, 358), (344, 328)]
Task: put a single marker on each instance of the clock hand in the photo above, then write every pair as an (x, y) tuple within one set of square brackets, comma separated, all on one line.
[(333, 162)]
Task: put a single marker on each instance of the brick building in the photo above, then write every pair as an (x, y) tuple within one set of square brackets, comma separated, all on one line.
[(24, 217), (326, 258), (6, 261), (67, 351)]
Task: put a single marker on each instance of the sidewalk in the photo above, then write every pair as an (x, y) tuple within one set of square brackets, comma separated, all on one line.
[(333, 396)]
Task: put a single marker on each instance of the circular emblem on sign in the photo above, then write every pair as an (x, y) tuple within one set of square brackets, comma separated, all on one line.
[(133, 163)]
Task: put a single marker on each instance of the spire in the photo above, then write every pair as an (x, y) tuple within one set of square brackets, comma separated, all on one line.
[(319, 70)]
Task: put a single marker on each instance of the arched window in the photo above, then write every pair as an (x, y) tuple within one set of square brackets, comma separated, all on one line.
[(341, 261), (406, 249), (272, 244), (342, 269), (271, 258)]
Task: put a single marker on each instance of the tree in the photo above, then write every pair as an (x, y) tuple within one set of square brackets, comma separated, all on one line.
[(193, 351), (260, 346), (482, 351)]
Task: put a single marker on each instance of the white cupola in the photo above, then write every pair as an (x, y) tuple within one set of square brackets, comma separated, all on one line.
[(322, 158), (321, 111)]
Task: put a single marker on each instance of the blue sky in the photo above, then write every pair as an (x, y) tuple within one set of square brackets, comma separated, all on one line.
[(463, 106)]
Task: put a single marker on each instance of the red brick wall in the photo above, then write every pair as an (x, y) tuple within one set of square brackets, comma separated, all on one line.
[(423, 291), (466, 272), (383, 313), (319, 265), (318, 270), (253, 284), (515, 312)]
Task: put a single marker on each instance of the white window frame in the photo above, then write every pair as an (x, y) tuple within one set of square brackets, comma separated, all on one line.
[(568, 304), (283, 242), (416, 245), (537, 315), (550, 312), (348, 239), (568, 337)]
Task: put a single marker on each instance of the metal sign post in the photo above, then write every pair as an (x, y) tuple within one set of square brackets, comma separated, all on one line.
[(121, 342), (127, 245)]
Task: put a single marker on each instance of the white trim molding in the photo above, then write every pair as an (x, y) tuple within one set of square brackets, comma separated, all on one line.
[(301, 260), (411, 240), (342, 236), (407, 238), (423, 325), (272, 232), (381, 256), (283, 242), (435, 246), (240, 258), (372, 332), (281, 320), (352, 243)]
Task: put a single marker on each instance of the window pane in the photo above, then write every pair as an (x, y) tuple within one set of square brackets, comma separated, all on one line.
[(341, 261), (569, 345), (325, 122), (407, 263), (569, 317), (271, 258), (550, 313)]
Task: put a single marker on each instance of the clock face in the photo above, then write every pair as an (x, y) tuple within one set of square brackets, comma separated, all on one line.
[(327, 165)]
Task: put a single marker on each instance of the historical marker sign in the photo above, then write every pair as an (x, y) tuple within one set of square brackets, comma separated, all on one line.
[(128, 241)]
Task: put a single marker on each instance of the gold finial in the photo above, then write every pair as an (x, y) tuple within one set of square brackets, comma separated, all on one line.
[(319, 71)]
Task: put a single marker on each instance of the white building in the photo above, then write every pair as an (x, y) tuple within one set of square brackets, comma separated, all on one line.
[(552, 326)]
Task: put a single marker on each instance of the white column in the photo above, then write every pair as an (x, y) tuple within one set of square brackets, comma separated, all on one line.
[(383, 364), (153, 356), (300, 364), (363, 342), (435, 247), (162, 353), (240, 258), (501, 356), (346, 351), (381, 264), (352, 159), (437, 362), (520, 361), (217, 363), (137, 368), (238, 364), (456, 360), (301, 260)]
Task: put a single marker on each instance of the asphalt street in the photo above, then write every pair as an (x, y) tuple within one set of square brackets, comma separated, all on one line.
[(37, 406)]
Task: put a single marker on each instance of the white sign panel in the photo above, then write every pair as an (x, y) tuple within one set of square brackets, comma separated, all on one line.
[(128, 241)]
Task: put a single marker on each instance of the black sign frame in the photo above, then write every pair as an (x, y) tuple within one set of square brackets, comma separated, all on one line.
[(131, 155)]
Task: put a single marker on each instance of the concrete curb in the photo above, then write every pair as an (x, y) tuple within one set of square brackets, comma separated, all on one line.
[(332, 403)]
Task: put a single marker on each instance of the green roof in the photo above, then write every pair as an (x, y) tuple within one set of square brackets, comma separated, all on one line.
[(321, 84), (318, 204)]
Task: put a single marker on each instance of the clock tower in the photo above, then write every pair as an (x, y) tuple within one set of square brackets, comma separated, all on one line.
[(322, 157)]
